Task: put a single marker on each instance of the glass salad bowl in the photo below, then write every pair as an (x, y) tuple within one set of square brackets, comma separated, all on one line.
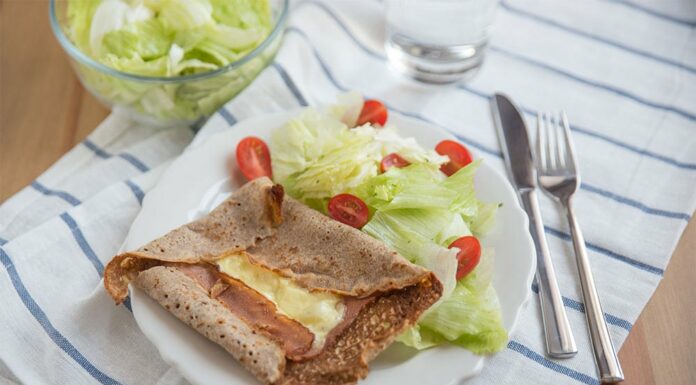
[(169, 100)]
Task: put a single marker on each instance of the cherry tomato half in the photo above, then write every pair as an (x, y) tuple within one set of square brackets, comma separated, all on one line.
[(458, 154), (392, 160), (469, 254), (348, 209), (253, 158), (374, 112)]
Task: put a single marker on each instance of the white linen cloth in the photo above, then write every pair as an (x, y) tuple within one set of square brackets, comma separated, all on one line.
[(624, 71)]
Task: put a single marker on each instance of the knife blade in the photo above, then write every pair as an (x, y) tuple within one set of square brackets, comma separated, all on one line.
[(513, 135), (517, 151)]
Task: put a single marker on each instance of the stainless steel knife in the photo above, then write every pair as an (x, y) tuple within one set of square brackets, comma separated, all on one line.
[(514, 140)]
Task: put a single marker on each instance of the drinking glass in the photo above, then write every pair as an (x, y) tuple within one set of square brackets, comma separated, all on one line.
[(438, 41)]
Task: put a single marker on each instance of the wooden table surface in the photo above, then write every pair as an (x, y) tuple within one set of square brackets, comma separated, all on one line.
[(45, 112)]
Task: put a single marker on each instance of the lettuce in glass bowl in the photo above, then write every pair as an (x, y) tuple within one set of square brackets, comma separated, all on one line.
[(168, 61)]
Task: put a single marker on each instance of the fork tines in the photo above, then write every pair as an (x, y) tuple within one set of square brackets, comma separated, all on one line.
[(554, 147)]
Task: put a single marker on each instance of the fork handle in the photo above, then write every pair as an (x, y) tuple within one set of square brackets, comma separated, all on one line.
[(605, 355), (559, 338)]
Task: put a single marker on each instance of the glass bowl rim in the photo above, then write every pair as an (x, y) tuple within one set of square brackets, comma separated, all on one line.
[(77, 54)]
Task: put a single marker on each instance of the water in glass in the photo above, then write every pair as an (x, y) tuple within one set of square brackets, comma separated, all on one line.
[(438, 41)]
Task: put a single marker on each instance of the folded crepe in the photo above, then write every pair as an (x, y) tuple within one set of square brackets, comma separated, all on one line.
[(294, 296)]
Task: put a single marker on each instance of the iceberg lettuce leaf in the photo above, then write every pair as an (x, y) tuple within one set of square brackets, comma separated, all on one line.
[(182, 15), (145, 39), (469, 317)]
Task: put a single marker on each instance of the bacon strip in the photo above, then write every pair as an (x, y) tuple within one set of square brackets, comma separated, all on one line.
[(249, 305), (259, 312)]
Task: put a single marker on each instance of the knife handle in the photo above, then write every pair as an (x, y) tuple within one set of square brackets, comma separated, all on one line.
[(560, 342)]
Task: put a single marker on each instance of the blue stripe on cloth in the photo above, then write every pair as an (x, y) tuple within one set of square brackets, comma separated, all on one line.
[(611, 254), (290, 84), (48, 327), (321, 62), (3, 241), (137, 163), (134, 161), (96, 149), (57, 193), (87, 249), (640, 151), (584, 131), (613, 196), (343, 26), (580, 307), (593, 83), (618, 322), (229, 118), (556, 367), (633, 203), (82, 242), (550, 22), (654, 13), (137, 191)]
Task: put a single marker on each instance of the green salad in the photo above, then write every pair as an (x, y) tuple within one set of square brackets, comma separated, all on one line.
[(419, 202), (169, 39)]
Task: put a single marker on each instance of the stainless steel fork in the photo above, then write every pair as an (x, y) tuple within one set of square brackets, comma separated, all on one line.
[(558, 175)]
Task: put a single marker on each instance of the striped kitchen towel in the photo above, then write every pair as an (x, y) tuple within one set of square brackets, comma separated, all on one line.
[(628, 90)]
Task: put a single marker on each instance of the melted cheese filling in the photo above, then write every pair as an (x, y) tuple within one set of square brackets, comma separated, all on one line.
[(319, 312)]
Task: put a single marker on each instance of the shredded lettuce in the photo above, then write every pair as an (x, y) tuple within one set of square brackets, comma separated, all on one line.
[(242, 13), (184, 15), (316, 155), (169, 38), (213, 32), (411, 232), (416, 210), (469, 317), (146, 40)]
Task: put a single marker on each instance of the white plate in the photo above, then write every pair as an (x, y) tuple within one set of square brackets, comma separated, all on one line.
[(197, 180)]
